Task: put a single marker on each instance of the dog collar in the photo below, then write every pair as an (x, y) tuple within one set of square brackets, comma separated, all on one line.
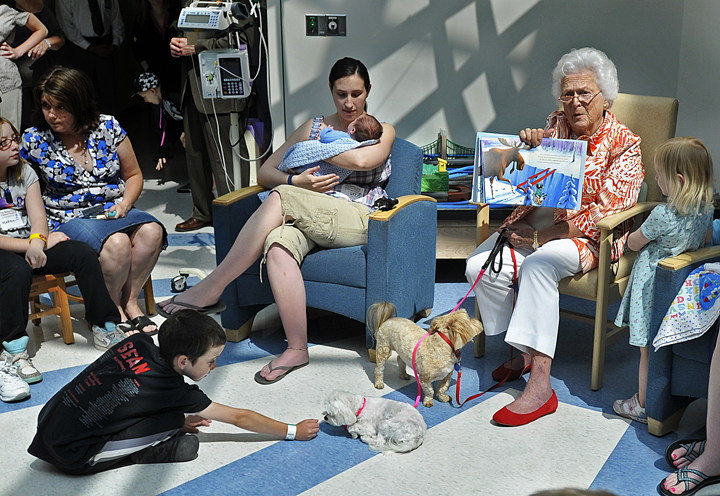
[(361, 408)]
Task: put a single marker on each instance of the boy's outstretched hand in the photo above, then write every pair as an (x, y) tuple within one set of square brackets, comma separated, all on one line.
[(192, 422), (307, 429)]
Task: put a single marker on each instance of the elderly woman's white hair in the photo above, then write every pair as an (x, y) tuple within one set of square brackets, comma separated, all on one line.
[(582, 59)]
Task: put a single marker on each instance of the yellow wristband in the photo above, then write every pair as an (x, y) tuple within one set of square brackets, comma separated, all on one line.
[(38, 236)]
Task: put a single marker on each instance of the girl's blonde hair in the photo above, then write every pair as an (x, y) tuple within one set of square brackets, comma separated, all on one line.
[(690, 158), (16, 171)]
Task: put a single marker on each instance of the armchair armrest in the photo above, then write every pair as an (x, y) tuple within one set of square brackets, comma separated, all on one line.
[(403, 201), (233, 196), (612, 221), (690, 258)]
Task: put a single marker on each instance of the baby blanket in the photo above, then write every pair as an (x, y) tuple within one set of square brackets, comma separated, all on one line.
[(694, 309)]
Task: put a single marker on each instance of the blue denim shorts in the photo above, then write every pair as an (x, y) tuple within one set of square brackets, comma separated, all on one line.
[(96, 231)]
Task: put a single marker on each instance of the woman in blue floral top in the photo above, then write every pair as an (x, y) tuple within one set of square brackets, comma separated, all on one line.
[(93, 179)]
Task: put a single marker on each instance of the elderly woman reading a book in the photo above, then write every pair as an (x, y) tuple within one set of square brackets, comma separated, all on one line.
[(550, 244)]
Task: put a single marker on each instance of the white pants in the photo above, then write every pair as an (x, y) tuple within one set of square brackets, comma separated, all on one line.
[(533, 325)]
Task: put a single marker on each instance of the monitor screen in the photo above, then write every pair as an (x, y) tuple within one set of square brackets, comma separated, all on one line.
[(197, 18), (232, 68)]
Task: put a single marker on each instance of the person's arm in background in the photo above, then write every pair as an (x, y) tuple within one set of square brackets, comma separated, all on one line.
[(67, 17), (55, 38), (39, 32)]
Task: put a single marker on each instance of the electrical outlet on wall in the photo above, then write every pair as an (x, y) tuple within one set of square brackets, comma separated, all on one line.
[(312, 24), (335, 25)]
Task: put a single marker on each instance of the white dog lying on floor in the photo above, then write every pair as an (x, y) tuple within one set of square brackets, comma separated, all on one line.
[(382, 424)]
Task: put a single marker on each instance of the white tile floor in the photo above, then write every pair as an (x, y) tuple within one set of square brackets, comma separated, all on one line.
[(582, 445)]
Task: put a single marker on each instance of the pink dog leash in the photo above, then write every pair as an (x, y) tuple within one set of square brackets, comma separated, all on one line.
[(495, 251)]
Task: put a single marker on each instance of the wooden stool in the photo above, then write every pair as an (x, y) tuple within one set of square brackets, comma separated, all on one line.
[(55, 285)]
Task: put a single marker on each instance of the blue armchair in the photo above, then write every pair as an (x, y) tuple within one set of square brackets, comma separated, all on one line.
[(397, 264), (677, 374)]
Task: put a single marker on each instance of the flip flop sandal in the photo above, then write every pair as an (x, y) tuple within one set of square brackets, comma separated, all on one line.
[(126, 326), (704, 481), (261, 380), (689, 445), (216, 308), (141, 322)]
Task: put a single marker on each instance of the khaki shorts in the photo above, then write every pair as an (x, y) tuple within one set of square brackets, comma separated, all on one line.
[(320, 220)]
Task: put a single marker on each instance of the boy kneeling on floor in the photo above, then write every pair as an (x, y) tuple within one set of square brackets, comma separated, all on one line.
[(130, 404)]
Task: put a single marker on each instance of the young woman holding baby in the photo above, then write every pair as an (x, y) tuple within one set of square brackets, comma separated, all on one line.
[(285, 228)]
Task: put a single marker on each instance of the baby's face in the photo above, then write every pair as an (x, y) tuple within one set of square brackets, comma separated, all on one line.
[(150, 96)]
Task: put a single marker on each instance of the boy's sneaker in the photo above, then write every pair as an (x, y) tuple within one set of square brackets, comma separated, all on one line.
[(181, 448), (12, 387), (631, 409), (25, 368), (107, 337)]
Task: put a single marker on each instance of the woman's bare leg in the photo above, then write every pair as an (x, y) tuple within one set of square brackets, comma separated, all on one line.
[(709, 461), (115, 262), (146, 244), (288, 289), (246, 249)]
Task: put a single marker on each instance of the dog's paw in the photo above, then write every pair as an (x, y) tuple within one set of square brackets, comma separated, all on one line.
[(379, 385), (428, 402), (443, 397)]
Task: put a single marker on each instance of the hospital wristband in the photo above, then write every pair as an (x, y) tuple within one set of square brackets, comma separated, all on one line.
[(290, 176), (291, 431), (38, 236)]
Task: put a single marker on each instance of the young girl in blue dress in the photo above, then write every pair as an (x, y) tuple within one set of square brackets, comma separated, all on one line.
[(26, 249), (684, 173)]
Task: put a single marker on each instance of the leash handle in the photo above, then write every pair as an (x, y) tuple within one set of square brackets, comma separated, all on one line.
[(491, 257)]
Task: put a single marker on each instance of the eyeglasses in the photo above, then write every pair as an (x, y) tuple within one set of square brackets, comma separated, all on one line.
[(584, 98), (6, 143)]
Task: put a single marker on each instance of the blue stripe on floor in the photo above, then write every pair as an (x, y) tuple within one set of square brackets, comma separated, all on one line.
[(191, 239)]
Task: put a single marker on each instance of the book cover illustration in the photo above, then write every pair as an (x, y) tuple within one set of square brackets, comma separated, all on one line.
[(508, 172)]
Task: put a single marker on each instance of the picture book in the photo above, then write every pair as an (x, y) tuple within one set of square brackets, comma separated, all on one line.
[(508, 172)]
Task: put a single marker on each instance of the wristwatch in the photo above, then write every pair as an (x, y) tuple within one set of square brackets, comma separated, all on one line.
[(535, 244)]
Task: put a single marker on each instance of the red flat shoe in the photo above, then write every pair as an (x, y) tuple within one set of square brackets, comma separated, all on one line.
[(502, 371), (506, 417)]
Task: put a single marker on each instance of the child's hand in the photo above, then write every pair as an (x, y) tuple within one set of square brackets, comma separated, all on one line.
[(160, 164), (8, 52), (307, 429), (192, 422), (35, 256)]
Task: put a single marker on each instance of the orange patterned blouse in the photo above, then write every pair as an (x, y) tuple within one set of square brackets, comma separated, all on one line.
[(613, 176)]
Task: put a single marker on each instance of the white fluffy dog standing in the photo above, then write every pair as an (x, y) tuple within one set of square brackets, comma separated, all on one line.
[(435, 359), (382, 424)]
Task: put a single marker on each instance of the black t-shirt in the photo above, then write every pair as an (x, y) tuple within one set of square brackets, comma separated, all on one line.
[(128, 383)]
